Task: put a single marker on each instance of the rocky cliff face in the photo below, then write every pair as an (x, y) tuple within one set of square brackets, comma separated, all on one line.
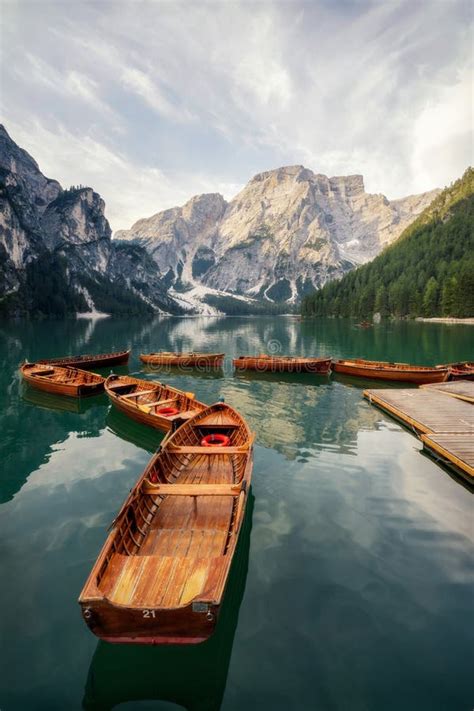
[(287, 232), (56, 250)]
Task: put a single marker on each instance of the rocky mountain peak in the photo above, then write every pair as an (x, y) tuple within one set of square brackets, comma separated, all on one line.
[(288, 231), (19, 163), (64, 236)]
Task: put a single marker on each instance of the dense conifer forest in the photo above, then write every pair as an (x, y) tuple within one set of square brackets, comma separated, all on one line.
[(428, 271)]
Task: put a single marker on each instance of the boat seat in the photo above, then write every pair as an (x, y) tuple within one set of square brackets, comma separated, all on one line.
[(191, 489), (208, 450), (158, 402), (138, 393)]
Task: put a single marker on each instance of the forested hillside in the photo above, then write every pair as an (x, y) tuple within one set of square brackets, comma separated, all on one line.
[(428, 271)]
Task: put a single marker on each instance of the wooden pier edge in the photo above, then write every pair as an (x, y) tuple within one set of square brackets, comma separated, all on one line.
[(444, 452), (453, 388), (448, 458), (399, 415)]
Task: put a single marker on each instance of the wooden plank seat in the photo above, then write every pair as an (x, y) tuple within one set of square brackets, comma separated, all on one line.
[(191, 489), (137, 394), (207, 450), (158, 402)]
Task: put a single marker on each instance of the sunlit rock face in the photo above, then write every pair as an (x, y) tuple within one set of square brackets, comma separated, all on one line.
[(287, 232)]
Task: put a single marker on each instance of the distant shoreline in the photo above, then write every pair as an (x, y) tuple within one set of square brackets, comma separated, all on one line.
[(447, 319)]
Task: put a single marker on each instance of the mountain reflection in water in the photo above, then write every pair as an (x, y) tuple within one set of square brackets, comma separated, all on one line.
[(358, 587)]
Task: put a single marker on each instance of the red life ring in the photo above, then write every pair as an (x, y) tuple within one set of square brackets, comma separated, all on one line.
[(215, 440), (167, 411)]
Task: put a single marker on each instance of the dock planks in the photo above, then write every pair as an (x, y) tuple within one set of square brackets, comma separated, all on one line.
[(457, 449), (444, 424), (462, 389)]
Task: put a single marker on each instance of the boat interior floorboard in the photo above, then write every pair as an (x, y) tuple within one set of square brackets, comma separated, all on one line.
[(186, 538)]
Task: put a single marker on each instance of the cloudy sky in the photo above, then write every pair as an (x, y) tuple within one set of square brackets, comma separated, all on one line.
[(153, 102)]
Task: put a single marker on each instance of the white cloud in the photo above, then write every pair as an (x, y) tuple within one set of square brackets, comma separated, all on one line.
[(442, 133), (140, 83), (151, 106), (136, 191)]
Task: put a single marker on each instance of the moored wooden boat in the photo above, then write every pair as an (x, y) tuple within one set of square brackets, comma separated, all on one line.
[(464, 369), (176, 674), (62, 381), (191, 359), (85, 362), (381, 370), (161, 575), (283, 364), (150, 402)]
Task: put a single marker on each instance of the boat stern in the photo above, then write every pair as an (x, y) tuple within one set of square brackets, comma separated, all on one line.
[(191, 624)]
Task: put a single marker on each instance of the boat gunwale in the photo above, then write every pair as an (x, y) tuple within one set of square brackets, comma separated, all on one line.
[(86, 382), (87, 358), (387, 366)]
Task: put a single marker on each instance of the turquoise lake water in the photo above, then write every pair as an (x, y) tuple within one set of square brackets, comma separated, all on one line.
[(352, 588)]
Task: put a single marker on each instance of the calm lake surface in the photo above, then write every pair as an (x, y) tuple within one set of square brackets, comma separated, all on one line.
[(352, 587)]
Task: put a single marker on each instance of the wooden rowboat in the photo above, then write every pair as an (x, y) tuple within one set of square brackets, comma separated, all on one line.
[(402, 372), (161, 575), (150, 402), (465, 369), (62, 381), (175, 674), (283, 364), (85, 362), (183, 359)]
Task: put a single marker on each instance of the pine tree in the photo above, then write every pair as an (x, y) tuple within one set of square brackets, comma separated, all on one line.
[(430, 298)]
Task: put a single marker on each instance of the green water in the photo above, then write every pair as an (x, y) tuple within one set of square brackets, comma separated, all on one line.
[(352, 587)]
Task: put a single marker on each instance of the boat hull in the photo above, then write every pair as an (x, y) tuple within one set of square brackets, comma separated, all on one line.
[(149, 626), (460, 371), (402, 376), (461, 374), (102, 361), (71, 390), (277, 365), (162, 573)]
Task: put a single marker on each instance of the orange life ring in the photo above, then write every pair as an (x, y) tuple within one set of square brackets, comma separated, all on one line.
[(167, 411), (215, 440)]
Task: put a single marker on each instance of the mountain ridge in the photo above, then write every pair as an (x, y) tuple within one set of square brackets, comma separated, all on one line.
[(428, 271), (287, 231), (56, 252)]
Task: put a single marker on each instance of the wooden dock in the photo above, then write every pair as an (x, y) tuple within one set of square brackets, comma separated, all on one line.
[(462, 389), (457, 449), (444, 424)]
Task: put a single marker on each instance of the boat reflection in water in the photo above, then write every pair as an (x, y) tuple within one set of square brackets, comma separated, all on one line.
[(208, 372), (50, 401), (144, 437), (193, 676), (268, 376)]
